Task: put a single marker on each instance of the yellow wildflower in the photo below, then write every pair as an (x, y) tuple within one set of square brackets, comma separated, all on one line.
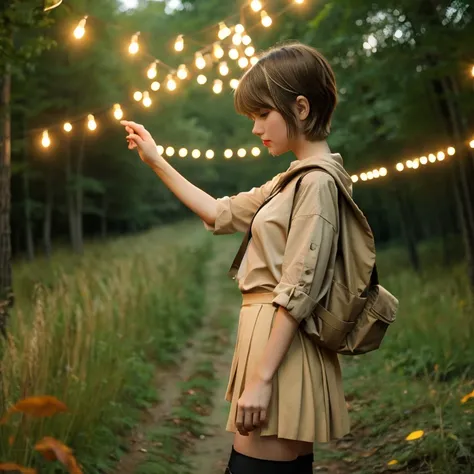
[(392, 462), (415, 435), (467, 397)]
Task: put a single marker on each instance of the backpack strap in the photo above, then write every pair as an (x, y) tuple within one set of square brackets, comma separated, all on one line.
[(248, 235)]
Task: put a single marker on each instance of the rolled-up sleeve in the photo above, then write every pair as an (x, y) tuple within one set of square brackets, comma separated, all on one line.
[(235, 213), (310, 247)]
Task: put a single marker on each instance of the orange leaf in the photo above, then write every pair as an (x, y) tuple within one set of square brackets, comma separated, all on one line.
[(52, 449), (467, 397), (9, 466), (36, 406)]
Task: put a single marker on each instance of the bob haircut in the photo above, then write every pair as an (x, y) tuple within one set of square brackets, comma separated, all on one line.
[(279, 77)]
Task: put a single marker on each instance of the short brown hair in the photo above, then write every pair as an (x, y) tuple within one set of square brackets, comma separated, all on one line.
[(279, 77)]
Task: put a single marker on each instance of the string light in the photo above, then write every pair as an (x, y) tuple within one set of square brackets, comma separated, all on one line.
[(253, 60), (415, 164), (228, 153), (241, 152), (256, 5), (239, 29), (431, 158), (200, 61), (246, 40), (234, 83), (249, 51), (441, 156), (237, 39), (355, 178), (169, 151), (217, 51), (196, 154), (160, 149), (138, 96), (233, 53), (471, 143), (147, 99), (400, 167), (118, 112), (209, 154), (223, 69), (201, 79), (409, 164), (183, 152), (182, 72), (472, 74), (423, 160), (170, 83), (224, 31), (217, 86), (299, 2), (152, 70), (67, 127), (80, 29), (243, 62), (134, 46), (363, 176), (451, 151), (45, 140), (155, 86), (91, 123), (266, 20), (179, 43), (255, 151)]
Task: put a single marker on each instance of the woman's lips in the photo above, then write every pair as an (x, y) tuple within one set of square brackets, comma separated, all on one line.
[(266, 142)]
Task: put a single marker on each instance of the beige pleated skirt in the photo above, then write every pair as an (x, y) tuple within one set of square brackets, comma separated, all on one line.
[(307, 402)]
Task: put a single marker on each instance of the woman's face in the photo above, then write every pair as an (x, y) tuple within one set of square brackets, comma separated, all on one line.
[(270, 126)]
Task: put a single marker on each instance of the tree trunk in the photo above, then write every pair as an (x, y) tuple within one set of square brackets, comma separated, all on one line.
[(6, 290), (71, 202), (48, 212), (80, 195), (30, 249), (409, 237)]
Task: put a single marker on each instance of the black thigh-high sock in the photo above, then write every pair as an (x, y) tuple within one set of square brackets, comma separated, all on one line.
[(305, 464), (242, 464)]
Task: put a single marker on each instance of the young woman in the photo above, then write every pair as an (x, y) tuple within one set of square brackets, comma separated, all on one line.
[(285, 391)]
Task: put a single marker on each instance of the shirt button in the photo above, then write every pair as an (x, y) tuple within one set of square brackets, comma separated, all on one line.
[(312, 246), (308, 271)]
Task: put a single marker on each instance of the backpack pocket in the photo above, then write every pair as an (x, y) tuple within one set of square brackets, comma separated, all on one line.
[(372, 323)]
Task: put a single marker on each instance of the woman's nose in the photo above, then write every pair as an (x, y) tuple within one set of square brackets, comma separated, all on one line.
[(257, 129)]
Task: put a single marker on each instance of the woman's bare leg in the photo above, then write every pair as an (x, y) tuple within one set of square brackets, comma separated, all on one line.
[(270, 447)]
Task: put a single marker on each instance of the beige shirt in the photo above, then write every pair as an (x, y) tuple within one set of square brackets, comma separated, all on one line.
[(294, 262)]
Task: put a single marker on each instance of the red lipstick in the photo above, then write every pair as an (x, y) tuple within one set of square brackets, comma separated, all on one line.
[(266, 142)]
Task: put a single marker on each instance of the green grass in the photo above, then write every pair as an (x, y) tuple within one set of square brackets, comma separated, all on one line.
[(90, 331)]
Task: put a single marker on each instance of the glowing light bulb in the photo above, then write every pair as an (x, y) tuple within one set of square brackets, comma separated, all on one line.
[(201, 79), (409, 164), (246, 40), (118, 112), (233, 53), (234, 83), (45, 140), (209, 154), (134, 46), (170, 83), (217, 51), (243, 62), (91, 123), (472, 74), (423, 160), (228, 153), (183, 152), (441, 156), (255, 151), (217, 86), (363, 176), (224, 31), (200, 61), (471, 143), (67, 127), (223, 69), (256, 5), (416, 164), (160, 149), (299, 2), (400, 167), (196, 154), (249, 51), (147, 99), (383, 172), (239, 28), (138, 96), (451, 151), (169, 151), (80, 29), (152, 71), (155, 86), (376, 174), (253, 60), (241, 152), (179, 43), (355, 178), (370, 175), (182, 72), (237, 39), (265, 18), (431, 158)]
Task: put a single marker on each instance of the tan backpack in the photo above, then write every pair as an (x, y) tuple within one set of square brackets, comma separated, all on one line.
[(354, 316)]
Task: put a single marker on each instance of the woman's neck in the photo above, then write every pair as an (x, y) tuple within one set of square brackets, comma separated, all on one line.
[(303, 148)]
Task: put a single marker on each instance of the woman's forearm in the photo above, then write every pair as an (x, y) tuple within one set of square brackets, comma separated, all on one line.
[(190, 195), (281, 336)]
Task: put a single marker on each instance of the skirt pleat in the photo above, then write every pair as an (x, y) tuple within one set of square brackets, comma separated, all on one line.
[(307, 402)]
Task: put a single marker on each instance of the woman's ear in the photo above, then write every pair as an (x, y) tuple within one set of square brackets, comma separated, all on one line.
[(302, 107)]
